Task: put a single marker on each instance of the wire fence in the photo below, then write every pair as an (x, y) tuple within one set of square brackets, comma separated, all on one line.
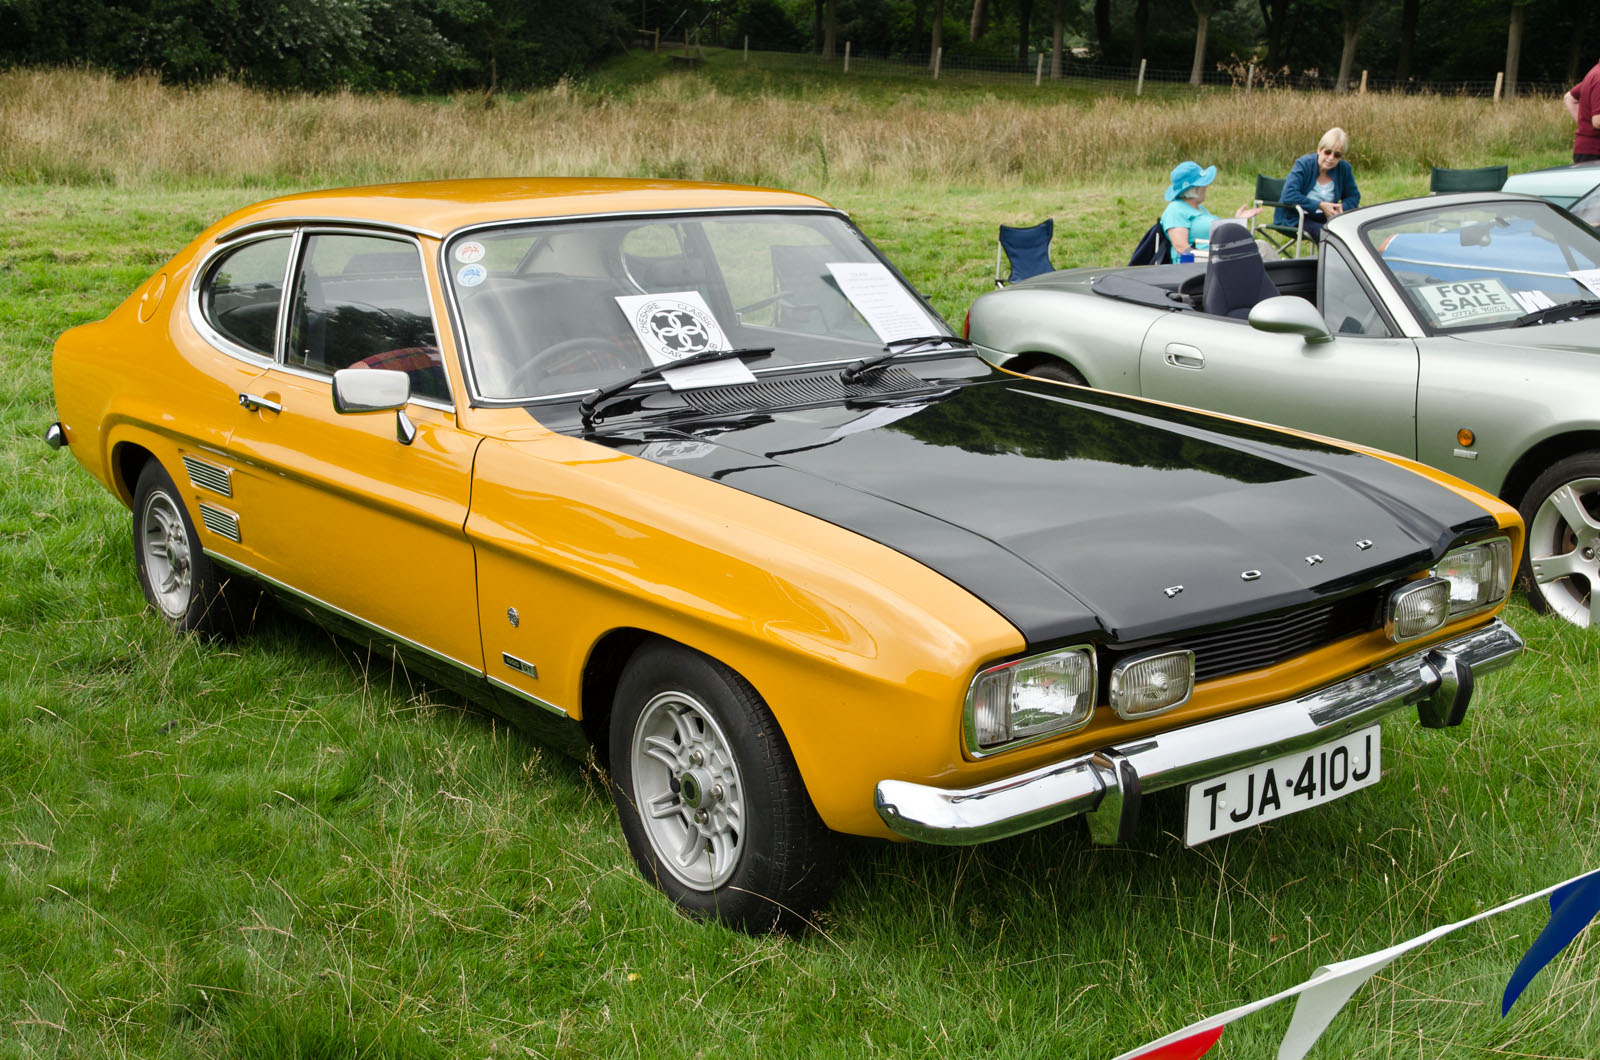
[(1038, 70)]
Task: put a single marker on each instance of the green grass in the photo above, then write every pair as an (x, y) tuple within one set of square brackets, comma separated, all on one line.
[(285, 848)]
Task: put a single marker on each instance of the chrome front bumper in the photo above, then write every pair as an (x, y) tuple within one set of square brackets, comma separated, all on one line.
[(1106, 785)]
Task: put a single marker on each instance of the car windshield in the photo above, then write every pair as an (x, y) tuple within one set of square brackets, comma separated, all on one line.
[(564, 308), (1486, 264)]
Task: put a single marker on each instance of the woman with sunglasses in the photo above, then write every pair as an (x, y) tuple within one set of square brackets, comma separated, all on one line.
[(1321, 184)]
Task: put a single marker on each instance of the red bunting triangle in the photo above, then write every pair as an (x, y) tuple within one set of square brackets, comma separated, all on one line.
[(1187, 1049)]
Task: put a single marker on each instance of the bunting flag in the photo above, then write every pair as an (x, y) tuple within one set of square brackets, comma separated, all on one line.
[(1573, 904)]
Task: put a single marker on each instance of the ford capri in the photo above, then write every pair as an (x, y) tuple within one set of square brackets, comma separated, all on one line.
[(687, 477), (1459, 330)]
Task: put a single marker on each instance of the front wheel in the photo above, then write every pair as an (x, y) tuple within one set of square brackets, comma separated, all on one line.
[(1561, 573), (178, 579), (710, 800)]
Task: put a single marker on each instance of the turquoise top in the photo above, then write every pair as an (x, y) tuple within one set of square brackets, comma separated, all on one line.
[(1180, 213)]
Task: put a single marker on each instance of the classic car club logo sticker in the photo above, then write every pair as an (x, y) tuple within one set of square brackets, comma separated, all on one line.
[(678, 324), (471, 275), (470, 252)]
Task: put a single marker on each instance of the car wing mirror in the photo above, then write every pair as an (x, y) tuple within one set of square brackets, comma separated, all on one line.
[(1286, 314), (375, 390)]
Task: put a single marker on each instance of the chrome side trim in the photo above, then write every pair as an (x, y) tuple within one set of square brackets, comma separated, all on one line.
[(387, 634), (209, 476), (341, 222), (535, 700), (1107, 782), (220, 521)]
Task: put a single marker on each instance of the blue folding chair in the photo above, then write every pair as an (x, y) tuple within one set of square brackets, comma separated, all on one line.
[(1028, 250)]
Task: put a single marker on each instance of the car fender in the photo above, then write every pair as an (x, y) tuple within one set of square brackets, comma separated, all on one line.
[(1100, 337), (853, 645)]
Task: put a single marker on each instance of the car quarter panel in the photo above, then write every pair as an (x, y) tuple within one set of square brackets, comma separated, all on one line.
[(1098, 336), (854, 647)]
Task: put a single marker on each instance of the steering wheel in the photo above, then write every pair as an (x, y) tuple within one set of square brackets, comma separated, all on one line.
[(581, 354)]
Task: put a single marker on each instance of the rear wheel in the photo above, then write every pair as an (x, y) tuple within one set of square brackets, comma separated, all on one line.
[(1561, 573), (710, 800), (1058, 372), (177, 577)]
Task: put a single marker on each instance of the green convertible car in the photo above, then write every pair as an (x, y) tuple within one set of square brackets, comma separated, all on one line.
[(1460, 330)]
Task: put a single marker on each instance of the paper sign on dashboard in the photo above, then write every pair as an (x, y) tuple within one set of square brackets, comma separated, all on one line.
[(883, 301), (676, 325), (1466, 301)]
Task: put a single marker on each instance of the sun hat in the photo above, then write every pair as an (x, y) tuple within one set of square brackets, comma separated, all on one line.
[(1189, 175)]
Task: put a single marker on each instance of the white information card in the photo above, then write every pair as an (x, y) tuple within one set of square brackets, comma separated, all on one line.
[(883, 301)]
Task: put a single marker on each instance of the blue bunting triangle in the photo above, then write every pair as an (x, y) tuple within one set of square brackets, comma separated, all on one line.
[(1572, 906)]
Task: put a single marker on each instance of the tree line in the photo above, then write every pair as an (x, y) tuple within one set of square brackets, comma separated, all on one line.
[(447, 45)]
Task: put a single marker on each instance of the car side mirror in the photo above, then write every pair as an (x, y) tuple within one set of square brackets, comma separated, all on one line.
[(1289, 315), (375, 390)]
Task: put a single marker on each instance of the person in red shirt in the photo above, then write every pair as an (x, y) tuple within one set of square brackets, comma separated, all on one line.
[(1583, 103)]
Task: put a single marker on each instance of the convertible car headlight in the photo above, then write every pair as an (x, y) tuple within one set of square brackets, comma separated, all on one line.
[(1479, 575), (1031, 698)]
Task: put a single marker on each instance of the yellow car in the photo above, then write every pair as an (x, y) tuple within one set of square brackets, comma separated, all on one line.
[(689, 474)]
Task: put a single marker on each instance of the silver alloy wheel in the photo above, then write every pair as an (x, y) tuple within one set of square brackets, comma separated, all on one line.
[(690, 795), (167, 559), (1564, 550)]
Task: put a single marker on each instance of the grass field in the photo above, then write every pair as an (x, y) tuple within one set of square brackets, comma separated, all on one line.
[(286, 848)]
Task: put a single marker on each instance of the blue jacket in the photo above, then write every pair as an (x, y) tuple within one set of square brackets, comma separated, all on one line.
[(1302, 175)]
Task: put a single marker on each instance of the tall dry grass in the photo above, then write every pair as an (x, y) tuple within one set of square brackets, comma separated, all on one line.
[(81, 127)]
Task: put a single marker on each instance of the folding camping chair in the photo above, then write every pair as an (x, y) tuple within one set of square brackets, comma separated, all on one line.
[(1154, 247), (1027, 249), (1269, 193), (1484, 178)]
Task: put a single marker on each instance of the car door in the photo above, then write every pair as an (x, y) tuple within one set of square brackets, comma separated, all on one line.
[(342, 511), (1361, 387)]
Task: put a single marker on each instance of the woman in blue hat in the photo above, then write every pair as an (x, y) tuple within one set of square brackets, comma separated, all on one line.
[(1186, 220)]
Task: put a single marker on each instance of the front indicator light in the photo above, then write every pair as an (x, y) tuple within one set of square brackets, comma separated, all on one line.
[(1417, 609), (1142, 687), (1479, 575), (1030, 699)]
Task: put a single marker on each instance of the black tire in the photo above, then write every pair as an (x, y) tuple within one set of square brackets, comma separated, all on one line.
[(1557, 530), (691, 738), (1058, 372), (179, 581)]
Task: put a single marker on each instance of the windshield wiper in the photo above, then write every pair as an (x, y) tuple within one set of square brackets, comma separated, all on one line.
[(895, 348), (1565, 311), (587, 406)]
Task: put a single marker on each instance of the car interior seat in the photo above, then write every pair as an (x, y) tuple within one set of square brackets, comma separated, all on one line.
[(1236, 278)]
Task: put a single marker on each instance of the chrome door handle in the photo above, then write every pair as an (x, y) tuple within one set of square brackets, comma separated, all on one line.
[(1181, 356), (259, 404)]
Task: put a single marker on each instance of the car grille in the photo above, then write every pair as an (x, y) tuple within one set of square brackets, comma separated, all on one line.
[(1268, 641), (788, 391)]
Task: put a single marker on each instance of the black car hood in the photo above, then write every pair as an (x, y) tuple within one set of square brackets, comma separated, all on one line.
[(1073, 512)]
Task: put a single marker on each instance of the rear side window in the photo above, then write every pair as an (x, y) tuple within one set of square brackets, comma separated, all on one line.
[(242, 293)]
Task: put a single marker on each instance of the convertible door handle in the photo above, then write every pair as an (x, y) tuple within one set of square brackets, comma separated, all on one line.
[(1181, 356), (259, 404)]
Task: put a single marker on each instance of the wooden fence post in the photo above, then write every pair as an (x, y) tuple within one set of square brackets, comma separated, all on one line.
[(1250, 78), (938, 57), (1363, 82), (747, 47), (847, 57), (1038, 73), (1499, 83), (1139, 91)]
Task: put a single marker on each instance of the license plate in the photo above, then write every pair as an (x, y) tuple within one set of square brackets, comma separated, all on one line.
[(1286, 785)]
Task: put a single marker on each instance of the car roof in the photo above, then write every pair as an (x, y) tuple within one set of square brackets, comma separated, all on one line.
[(437, 207)]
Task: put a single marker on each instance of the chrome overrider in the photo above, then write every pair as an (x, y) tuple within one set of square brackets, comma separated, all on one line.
[(1106, 785)]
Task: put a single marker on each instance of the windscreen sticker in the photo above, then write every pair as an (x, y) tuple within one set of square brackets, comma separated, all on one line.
[(883, 301), (1468, 300), (676, 325), (471, 275), (470, 252)]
